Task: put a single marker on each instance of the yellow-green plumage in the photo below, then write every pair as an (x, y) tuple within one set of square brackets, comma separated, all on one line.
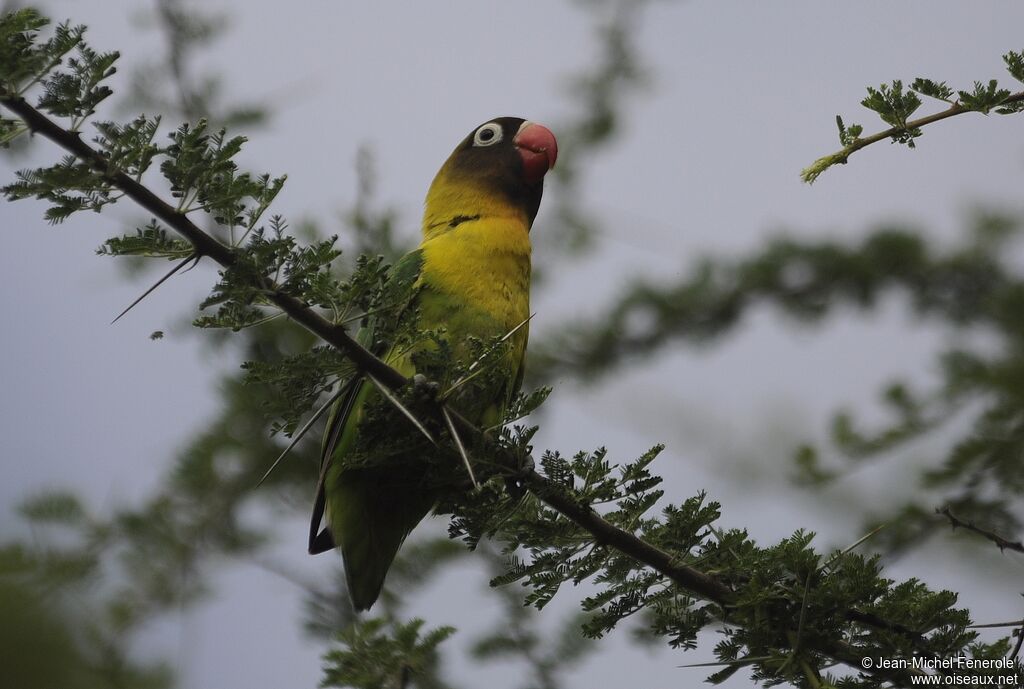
[(471, 277)]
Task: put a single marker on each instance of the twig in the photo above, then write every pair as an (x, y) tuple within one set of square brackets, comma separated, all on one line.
[(625, 542), (810, 173), (205, 245), (997, 625), (1001, 542)]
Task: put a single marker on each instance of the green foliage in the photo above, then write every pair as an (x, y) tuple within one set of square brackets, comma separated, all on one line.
[(74, 185), (129, 148), (912, 417), (66, 604), (972, 287), (548, 653), (365, 292), (270, 262), (576, 558), (1015, 64), (54, 508), (43, 645), (791, 610), (848, 135), (298, 381), (24, 60), (71, 186), (927, 87), (984, 97), (76, 93), (804, 280), (373, 656), (525, 404), (787, 612), (201, 172), (151, 241), (894, 106)]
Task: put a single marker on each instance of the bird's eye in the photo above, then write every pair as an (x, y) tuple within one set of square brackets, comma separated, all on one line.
[(488, 134)]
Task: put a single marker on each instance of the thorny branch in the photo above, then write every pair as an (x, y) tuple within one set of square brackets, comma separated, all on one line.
[(1001, 542), (686, 577), (204, 244), (811, 173)]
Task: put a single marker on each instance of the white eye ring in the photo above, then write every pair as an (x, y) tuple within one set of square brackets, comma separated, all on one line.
[(488, 135)]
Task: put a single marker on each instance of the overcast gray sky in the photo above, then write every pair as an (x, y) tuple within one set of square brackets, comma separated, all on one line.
[(741, 96)]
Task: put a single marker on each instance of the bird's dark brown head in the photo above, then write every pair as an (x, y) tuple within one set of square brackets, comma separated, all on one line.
[(503, 160)]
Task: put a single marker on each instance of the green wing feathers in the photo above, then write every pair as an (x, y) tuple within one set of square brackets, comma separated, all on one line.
[(371, 517), (368, 512)]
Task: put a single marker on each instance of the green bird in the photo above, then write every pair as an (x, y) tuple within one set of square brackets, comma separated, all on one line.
[(468, 280)]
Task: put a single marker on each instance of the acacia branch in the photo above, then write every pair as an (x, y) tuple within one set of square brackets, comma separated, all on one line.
[(205, 244), (810, 173), (604, 532), (1001, 542)]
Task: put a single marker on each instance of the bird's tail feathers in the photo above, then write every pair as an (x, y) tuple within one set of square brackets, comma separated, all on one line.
[(368, 552)]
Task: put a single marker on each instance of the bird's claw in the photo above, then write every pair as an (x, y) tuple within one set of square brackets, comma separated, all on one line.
[(425, 388)]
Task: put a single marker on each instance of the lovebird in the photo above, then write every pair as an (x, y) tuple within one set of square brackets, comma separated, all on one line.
[(469, 281)]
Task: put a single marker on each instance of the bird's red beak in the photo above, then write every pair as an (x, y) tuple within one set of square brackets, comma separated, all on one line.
[(538, 149)]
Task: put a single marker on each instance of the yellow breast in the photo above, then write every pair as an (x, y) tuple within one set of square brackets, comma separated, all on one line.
[(485, 264)]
